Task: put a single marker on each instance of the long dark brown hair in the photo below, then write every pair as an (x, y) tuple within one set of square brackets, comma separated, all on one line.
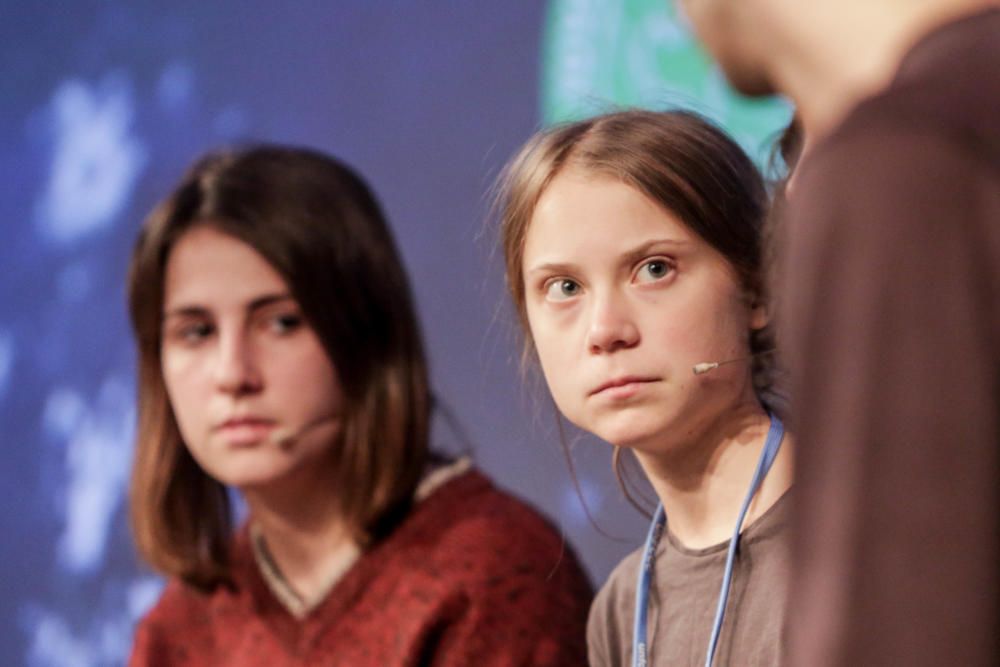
[(320, 227), (677, 159)]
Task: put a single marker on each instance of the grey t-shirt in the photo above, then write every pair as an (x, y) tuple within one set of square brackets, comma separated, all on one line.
[(683, 596)]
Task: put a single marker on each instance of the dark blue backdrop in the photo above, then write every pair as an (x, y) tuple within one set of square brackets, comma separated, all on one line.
[(104, 103)]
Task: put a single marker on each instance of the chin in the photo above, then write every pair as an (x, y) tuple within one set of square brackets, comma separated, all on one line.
[(629, 433), (253, 474), (652, 428), (748, 80), (249, 480)]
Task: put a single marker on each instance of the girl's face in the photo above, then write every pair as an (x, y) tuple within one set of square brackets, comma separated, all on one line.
[(242, 368), (622, 300)]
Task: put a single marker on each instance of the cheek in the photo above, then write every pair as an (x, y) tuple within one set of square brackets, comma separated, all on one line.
[(182, 377), (679, 336), (555, 355), (309, 379), (322, 384), (554, 367), (709, 323), (678, 332), (563, 385)]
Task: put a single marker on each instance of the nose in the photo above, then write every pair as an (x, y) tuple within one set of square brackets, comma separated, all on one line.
[(611, 326), (236, 370)]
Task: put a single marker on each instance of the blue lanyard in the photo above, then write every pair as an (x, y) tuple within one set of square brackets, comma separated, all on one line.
[(640, 646)]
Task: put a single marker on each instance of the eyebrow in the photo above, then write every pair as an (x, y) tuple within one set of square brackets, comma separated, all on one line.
[(256, 304), (651, 248), (629, 256)]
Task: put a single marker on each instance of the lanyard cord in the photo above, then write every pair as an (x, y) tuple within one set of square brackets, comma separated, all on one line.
[(640, 646)]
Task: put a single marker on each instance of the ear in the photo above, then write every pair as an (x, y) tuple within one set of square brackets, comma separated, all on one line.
[(760, 313)]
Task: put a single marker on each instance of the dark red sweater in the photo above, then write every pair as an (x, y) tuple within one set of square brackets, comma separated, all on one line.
[(471, 577)]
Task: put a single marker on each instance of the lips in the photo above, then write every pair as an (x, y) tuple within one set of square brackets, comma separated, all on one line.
[(624, 384), (248, 422), (245, 431)]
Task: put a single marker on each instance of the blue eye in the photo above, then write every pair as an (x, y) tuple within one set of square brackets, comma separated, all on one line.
[(653, 270), (561, 289)]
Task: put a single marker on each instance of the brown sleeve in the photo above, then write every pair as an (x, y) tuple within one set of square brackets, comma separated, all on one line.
[(888, 315)]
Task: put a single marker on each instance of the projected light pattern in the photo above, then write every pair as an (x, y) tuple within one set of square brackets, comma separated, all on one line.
[(91, 157), (95, 160), (98, 455)]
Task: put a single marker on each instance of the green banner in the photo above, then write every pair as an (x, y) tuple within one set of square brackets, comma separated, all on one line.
[(602, 55)]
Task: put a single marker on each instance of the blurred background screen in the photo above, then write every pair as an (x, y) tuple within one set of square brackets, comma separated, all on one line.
[(104, 104)]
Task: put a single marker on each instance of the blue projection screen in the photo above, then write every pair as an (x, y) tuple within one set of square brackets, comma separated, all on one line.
[(104, 105)]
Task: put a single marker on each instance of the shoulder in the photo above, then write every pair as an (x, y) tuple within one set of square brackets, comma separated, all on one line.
[(188, 615), (471, 535), (178, 621), (621, 583), (944, 90), (179, 605), (474, 513), (609, 626), (890, 143), (880, 140), (507, 582), (883, 176)]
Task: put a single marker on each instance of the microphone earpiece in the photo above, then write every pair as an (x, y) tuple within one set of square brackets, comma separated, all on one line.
[(706, 366), (283, 437)]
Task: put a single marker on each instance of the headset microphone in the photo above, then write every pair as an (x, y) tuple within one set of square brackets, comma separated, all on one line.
[(706, 366), (283, 437)]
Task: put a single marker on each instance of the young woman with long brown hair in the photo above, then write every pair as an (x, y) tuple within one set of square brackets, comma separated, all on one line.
[(633, 256), (280, 359)]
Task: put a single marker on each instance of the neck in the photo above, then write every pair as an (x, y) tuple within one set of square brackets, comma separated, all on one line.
[(302, 528), (703, 483), (835, 55)]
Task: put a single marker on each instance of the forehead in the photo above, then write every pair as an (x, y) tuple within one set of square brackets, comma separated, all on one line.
[(587, 214), (208, 267)]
